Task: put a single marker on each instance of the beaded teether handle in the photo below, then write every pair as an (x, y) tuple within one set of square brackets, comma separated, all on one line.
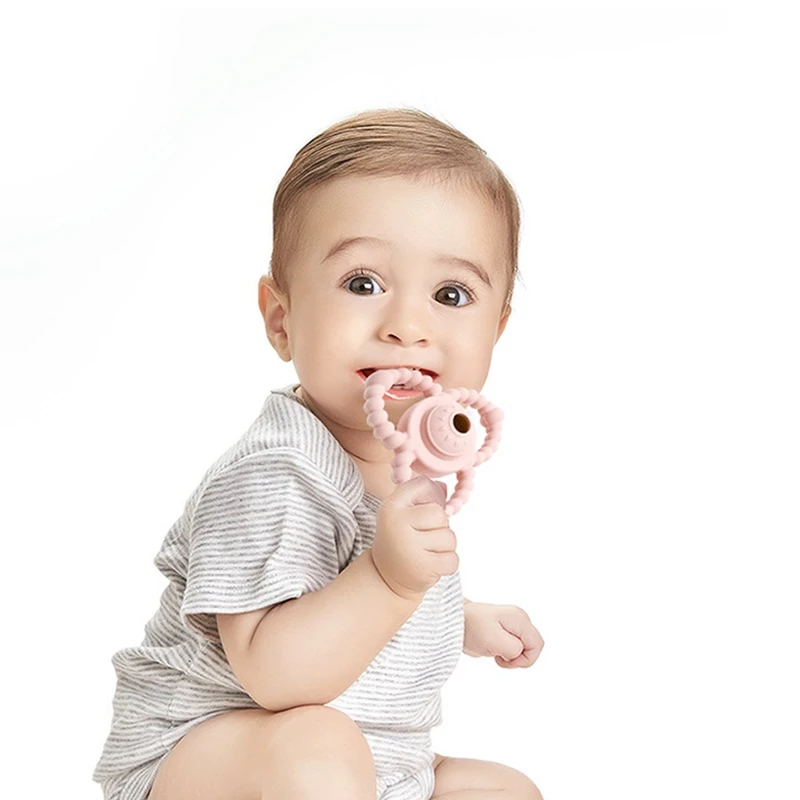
[(404, 445)]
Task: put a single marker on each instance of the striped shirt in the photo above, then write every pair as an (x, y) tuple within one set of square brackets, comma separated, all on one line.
[(281, 513)]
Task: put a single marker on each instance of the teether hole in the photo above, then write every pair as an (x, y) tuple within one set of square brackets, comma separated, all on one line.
[(461, 423)]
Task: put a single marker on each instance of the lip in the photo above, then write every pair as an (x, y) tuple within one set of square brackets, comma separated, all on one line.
[(361, 372)]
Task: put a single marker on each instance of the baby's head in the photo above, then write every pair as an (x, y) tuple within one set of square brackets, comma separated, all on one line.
[(429, 282)]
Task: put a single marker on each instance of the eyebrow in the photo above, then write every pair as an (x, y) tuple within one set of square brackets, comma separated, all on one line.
[(346, 243)]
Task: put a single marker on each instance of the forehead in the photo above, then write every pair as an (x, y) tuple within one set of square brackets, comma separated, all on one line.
[(418, 217)]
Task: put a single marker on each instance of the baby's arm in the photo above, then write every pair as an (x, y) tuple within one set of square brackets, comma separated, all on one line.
[(308, 650)]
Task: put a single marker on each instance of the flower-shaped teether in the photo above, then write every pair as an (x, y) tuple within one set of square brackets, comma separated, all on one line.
[(434, 437)]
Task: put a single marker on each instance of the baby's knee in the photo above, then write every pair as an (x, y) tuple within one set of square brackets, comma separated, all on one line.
[(319, 752), (320, 730)]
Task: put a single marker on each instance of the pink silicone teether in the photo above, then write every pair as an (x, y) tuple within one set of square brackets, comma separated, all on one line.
[(434, 437)]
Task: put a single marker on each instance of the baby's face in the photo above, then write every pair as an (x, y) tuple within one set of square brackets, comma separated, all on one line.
[(400, 300)]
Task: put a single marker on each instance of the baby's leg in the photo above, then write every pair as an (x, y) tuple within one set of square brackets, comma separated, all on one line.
[(472, 779), (253, 754)]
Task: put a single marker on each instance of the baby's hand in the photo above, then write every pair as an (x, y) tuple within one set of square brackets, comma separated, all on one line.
[(414, 545), (505, 632)]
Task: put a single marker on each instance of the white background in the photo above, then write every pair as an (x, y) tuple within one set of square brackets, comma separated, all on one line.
[(643, 507)]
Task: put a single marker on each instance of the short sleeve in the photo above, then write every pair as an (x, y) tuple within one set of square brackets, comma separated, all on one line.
[(263, 531)]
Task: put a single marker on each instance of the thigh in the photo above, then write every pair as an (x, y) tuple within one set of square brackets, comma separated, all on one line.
[(455, 775), (244, 754)]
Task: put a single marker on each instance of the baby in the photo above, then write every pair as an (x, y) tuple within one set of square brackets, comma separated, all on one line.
[(314, 608)]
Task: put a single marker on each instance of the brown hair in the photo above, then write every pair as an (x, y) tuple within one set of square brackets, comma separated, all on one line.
[(391, 141)]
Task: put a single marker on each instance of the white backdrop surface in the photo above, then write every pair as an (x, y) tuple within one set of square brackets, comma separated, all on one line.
[(643, 507)]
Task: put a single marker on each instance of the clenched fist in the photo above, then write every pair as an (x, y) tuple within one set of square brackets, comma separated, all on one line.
[(414, 545)]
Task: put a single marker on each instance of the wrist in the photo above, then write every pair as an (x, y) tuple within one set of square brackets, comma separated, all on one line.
[(407, 596)]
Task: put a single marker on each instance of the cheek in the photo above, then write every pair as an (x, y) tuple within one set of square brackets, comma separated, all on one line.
[(352, 321), (471, 354), (327, 334)]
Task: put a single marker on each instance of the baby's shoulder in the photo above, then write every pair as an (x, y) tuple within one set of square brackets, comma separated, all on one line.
[(287, 439)]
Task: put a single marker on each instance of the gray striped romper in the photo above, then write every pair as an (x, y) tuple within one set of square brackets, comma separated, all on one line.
[(281, 513)]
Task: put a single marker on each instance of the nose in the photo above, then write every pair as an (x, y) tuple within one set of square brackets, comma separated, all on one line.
[(405, 322)]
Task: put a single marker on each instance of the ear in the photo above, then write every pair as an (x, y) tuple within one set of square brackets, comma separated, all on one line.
[(501, 326), (274, 307)]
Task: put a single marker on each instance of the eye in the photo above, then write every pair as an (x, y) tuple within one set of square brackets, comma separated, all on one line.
[(362, 281), (451, 292)]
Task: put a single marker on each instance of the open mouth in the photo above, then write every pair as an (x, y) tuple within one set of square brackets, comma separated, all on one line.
[(399, 391), (367, 371)]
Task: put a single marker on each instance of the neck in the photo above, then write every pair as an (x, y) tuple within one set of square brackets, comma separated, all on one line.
[(360, 445)]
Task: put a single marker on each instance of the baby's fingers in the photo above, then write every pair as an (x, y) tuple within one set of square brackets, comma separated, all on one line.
[(445, 563), (428, 517), (442, 540), (525, 659)]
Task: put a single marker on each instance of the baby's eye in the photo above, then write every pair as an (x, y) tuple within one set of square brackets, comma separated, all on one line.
[(363, 284), (451, 292)]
